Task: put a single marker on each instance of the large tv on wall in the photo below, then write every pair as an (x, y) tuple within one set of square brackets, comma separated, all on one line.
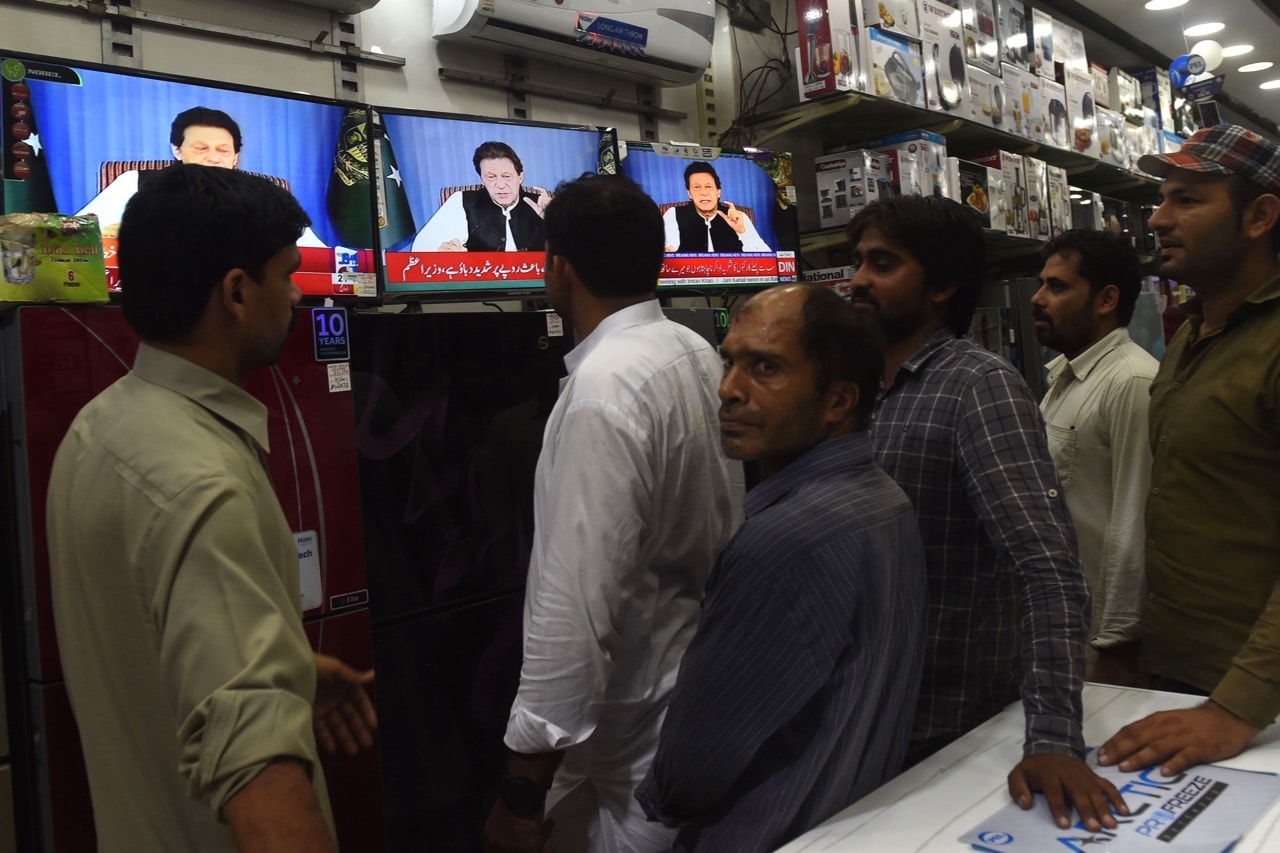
[(460, 200), (80, 138), (730, 215)]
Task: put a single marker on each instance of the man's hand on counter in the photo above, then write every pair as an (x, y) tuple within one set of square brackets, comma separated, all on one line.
[(1178, 738), (1066, 781)]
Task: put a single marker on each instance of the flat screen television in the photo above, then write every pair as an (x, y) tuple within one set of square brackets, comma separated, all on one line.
[(79, 138), (460, 218), (730, 215)]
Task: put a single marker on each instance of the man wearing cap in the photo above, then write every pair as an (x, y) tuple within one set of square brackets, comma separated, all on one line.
[(1211, 621)]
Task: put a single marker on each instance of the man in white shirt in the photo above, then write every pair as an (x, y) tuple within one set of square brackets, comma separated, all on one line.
[(1096, 416), (706, 224), (500, 217), (632, 500)]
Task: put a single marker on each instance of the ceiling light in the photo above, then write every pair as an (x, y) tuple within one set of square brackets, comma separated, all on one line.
[(1237, 50), (1204, 29), (1161, 5), (1255, 66), (1270, 84)]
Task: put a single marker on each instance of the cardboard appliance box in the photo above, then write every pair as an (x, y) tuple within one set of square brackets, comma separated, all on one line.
[(982, 45), (839, 279), (1037, 172), (897, 69), (978, 188), (1082, 111), (830, 58), (1015, 47), (847, 182), (1113, 138), (1022, 99), (946, 81), (897, 16), (1059, 201), (1013, 205), (930, 148), (1126, 94), (1041, 36), (987, 100), (1055, 127)]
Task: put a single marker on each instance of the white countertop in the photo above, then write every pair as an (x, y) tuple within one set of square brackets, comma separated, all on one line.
[(931, 805)]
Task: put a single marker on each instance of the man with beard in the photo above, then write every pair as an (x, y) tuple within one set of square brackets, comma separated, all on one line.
[(174, 571), (1211, 622), (960, 432), (1096, 415)]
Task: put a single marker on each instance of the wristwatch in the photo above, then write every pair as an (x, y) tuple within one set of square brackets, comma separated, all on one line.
[(523, 797)]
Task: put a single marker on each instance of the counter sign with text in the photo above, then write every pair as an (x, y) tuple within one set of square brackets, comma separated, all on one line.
[(329, 331)]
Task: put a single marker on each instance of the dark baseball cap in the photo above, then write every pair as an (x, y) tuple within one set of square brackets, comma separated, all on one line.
[(1224, 149)]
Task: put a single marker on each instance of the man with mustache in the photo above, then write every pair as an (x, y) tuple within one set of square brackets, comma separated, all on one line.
[(795, 697), (1096, 415), (959, 430), (174, 572), (1211, 621)]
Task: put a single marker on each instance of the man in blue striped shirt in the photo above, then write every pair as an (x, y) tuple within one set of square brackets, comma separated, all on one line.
[(795, 697)]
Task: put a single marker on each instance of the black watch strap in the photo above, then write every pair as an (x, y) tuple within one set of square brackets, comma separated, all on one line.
[(524, 797)]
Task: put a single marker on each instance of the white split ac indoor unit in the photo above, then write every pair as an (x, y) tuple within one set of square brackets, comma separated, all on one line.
[(661, 41), (347, 7)]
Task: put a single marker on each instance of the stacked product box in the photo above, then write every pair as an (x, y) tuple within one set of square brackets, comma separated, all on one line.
[(847, 182), (1126, 94), (897, 67), (1022, 101), (1170, 142), (906, 173), (830, 56), (930, 150), (1012, 169), (1059, 201), (839, 279), (1055, 127), (982, 45), (1101, 85), (1082, 111), (1113, 138), (987, 100), (896, 16), (1011, 23), (1086, 209), (1068, 47), (1117, 218), (1041, 52), (1038, 214), (1156, 92), (946, 81), (979, 188)]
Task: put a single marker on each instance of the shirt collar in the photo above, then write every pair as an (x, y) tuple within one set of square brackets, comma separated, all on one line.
[(639, 314), (844, 452), (921, 356), (1269, 291), (1086, 361), (206, 389)]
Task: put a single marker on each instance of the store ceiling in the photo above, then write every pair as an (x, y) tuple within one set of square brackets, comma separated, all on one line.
[(1255, 22)]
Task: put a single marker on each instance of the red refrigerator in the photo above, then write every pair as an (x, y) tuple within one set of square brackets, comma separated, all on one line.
[(55, 359)]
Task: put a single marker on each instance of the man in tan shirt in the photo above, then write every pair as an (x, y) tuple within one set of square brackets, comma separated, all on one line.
[(174, 572)]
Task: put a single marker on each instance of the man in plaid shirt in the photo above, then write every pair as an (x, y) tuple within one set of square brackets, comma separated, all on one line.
[(959, 430)]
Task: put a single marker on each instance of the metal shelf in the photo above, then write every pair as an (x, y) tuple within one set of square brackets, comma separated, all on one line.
[(843, 120)]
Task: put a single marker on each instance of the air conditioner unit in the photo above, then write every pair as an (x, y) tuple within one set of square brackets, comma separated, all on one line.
[(662, 41), (349, 7)]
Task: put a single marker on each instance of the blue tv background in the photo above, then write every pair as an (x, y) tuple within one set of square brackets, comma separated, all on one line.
[(118, 116), (742, 182), (434, 152)]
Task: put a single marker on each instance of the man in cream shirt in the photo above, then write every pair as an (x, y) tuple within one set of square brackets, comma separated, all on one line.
[(1096, 415)]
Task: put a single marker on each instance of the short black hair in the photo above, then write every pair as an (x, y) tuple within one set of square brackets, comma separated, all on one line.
[(697, 167), (844, 344), (184, 230), (496, 151), (1243, 190), (943, 236), (203, 117), (1102, 258), (610, 231)]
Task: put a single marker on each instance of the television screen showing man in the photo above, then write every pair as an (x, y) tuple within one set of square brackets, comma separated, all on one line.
[(708, 223)]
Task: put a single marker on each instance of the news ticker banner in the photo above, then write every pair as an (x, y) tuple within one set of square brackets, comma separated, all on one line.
[(324, 271), (409, 272)]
